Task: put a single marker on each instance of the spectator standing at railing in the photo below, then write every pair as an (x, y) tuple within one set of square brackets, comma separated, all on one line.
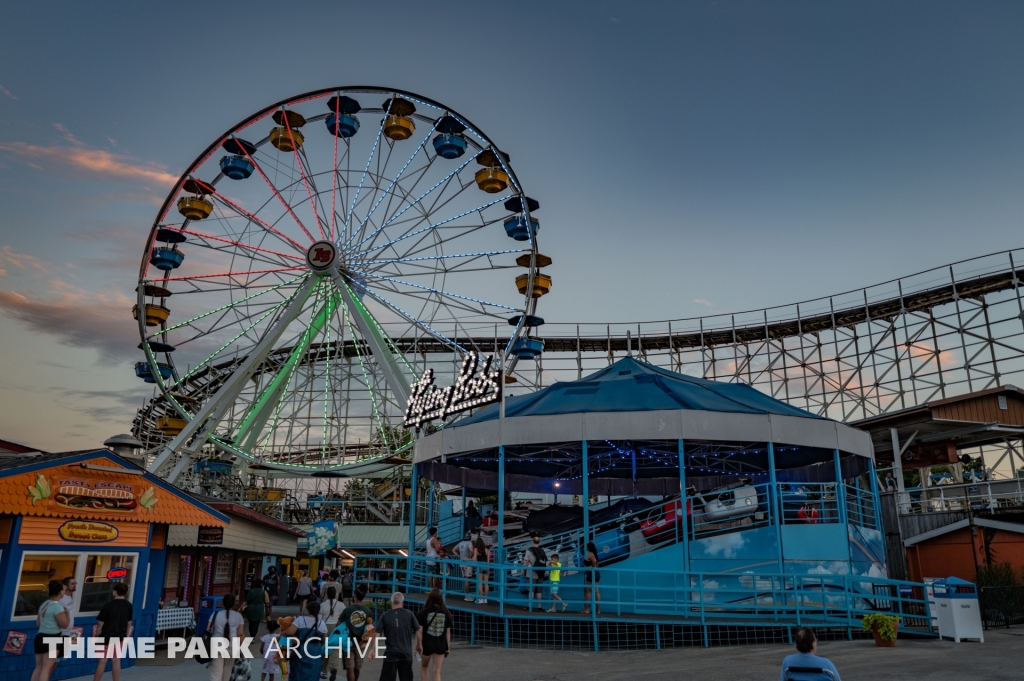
[(555, 575), (481, 558), (806, 657), (433, 549), (463, 551), (533, 558), (591, 578), (890, 482)]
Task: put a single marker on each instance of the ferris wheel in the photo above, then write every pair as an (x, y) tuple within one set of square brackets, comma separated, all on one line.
[(312, 262)]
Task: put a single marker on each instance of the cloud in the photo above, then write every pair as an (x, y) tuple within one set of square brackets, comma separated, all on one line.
[(705, 303), (22, 261), (7, 92), (724, 545), (95, 161), (96, 321)]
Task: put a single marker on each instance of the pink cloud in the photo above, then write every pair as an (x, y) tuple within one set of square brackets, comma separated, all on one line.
[(96, 161), (22, 261), (7, 92), (96, 321)]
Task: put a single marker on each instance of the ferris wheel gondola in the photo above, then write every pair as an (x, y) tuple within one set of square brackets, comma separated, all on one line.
[(310, 265)]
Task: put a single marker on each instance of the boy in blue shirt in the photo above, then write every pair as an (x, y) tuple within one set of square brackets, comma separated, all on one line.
[(807, 646)]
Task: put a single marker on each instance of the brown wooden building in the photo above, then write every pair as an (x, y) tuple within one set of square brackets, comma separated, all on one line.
[(959, 548)]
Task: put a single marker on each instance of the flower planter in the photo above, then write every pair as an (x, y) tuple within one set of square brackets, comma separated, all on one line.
[(879, 641)]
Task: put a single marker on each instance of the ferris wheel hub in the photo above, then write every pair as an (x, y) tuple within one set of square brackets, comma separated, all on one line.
[(322, 255)]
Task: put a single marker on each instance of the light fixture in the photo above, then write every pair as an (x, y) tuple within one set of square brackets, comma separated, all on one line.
[(111, 469)]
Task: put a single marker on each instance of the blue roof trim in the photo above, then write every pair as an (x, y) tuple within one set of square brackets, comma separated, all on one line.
[(632, 385), (51, 460)]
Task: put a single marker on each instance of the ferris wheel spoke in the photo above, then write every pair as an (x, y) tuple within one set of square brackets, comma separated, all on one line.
[(232, 304), (280, 198), (371, 275), (431, 226), (387, 192), (375, 411), (349, 232), (449, 256), (239, 244), (193, 277), (425, 214), (244, 213), (306, 183), (438, 335), (218, 403)]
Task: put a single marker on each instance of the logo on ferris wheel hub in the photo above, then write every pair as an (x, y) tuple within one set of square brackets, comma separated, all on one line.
[(321, 255)]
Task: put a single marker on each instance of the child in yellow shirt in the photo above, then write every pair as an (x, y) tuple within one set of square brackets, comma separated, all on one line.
[(555, 575)]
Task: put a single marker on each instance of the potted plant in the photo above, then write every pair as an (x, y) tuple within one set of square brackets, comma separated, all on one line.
[(883, 628)]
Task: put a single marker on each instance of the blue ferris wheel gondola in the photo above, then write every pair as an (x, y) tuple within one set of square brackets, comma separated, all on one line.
[(143, 371), (516, 227), (528, 348), (449, 146), (236, 167), (342, 125), (166, 259)]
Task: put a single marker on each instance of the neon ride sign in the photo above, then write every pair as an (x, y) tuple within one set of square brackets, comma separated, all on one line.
[(476, 386)]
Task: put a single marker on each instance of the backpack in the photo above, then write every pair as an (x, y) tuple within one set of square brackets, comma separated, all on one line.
[(540, 559), (207, 636)]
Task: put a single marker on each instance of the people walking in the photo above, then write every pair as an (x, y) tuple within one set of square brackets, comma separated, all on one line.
[(50, 619), (271, 653), (403, 635), (346, 588), (270, 583), (591, 579), (328, 582), (306, 651), (229, 624), (256, 601), (356, 617), (436, 623), (481, 558), (303, 589), (330, 613), (113, 624), (555, 575), (67, 599)]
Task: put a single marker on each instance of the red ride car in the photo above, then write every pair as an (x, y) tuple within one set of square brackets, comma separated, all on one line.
[(661, 524)]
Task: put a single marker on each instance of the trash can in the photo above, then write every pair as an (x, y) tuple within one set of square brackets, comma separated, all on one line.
[(959, 611), (208, 605)]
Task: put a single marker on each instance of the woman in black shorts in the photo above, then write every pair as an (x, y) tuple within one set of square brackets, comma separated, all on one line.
[(591, 578), (437, 633), (52, 617)]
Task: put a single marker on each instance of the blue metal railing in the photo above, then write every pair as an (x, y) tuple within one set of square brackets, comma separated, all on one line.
[(763, 598)]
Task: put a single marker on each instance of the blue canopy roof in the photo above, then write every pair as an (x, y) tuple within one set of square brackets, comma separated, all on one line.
[(632, 385)]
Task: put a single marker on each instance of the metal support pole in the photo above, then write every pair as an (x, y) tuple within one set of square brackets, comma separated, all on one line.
[(414, 483), (775, 502), (683, 501), (586, 498), (430, 507), (897, 466), (874, 495), (464, 529), (499, 557), (840, 490)]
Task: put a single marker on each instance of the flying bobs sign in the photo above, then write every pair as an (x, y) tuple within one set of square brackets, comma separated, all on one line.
[(476, 386)]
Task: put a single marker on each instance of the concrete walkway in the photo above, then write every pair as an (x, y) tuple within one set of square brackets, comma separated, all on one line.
[(1000, 658)]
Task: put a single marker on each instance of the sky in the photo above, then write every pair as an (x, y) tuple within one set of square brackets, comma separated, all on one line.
[(690, 158)]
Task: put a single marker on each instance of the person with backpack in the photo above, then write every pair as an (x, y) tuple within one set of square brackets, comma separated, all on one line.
[(305, 651), (535, 558), (436, 625), (330, 612), (227, 623)]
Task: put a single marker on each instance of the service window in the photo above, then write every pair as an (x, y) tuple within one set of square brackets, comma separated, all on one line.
[(101, 572), (37, 569)]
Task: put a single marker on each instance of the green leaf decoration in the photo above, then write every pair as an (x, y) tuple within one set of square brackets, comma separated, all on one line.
[(148, 499)]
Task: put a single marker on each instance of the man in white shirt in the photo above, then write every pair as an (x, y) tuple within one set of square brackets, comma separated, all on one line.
[(464, 552), (68, 601)]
